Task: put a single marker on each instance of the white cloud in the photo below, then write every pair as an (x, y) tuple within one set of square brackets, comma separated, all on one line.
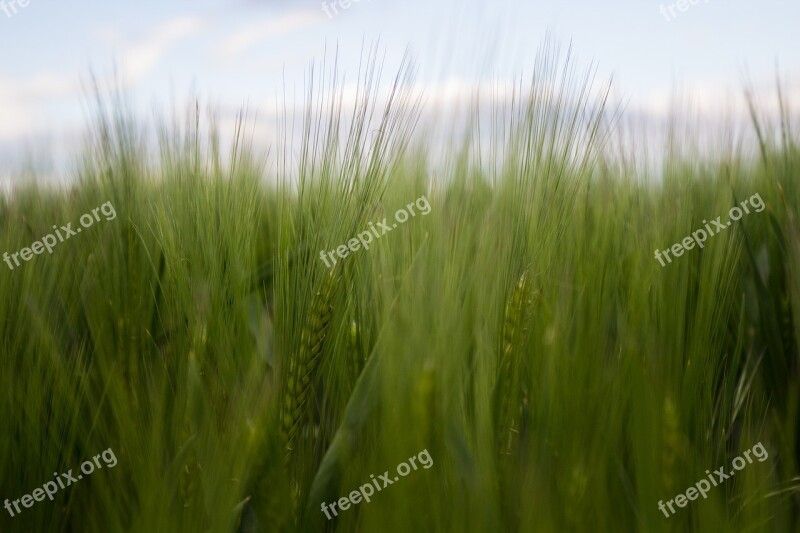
[(23, 102), (141, 57), (245, 37), (28, 105), (715, 100)]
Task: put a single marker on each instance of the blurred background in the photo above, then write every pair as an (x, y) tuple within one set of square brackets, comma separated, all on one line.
[(256, 55)]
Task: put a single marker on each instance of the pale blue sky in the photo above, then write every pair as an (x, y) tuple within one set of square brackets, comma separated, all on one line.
[(237, 51)]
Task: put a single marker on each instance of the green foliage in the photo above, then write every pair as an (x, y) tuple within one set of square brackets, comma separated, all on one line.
[(522, 332)]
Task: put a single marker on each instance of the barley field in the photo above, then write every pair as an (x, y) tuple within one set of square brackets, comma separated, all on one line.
[(203, 345)]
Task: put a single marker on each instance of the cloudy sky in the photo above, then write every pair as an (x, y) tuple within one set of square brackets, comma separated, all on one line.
[(246, 52)]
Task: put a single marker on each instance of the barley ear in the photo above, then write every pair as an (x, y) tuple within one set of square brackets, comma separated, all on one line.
[(304, 364), (509, 385)]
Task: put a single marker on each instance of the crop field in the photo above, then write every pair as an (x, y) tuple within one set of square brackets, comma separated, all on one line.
[(353, 333)]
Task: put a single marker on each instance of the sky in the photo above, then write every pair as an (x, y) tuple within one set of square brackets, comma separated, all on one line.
[(248, 52)]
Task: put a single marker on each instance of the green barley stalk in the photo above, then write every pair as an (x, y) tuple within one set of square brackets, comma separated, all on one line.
[(672, 445), (354, 352)]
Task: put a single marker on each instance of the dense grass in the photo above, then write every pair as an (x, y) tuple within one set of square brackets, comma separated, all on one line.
[(522, 332)]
